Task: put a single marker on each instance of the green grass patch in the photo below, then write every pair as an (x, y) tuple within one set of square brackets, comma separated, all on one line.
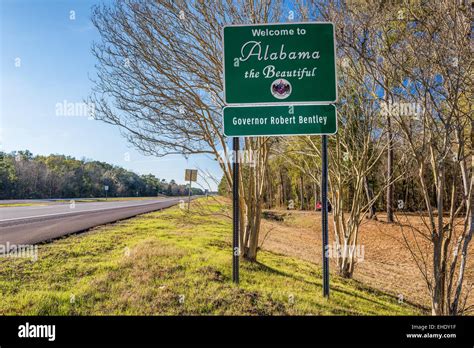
[(4, 205), (174, 262)]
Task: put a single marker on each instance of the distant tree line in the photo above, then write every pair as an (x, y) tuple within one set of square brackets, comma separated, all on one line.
[(24, 176), (288, 184)]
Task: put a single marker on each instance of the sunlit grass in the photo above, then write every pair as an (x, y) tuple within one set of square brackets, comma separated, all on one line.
[(174, 262), (4, 205)]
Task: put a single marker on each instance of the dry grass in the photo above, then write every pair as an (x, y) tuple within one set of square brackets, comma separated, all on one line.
[(387, 265)]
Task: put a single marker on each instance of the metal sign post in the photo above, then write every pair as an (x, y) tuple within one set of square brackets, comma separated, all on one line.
[(190, 175), (235, 197), (324, 213), (189, 195)]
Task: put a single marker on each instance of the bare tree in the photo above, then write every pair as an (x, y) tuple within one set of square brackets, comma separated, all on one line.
[(159, 78), (433, 64), (420, 55), (354, 152)]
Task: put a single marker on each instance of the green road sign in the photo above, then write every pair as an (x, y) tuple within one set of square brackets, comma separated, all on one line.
[(279, 63), (279, 120), (190, 175)]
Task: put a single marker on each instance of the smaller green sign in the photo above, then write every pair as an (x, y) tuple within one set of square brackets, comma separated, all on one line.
[(243, 121)]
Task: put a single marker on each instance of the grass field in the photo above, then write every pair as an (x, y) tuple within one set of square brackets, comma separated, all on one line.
[(5, 205), (387, 264), (175, 263)]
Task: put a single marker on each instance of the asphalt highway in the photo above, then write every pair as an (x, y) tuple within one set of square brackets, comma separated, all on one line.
[(34, 224)]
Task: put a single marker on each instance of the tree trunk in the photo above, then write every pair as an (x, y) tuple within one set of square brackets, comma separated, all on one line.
[(454, 310), (270, 192), (370, 196), (253, 243), (389, 170), (283, 193), (315, 189), (439, 256), (437, 302), (301, 193)]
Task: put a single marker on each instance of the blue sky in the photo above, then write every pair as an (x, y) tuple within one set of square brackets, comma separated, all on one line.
[(46, 59)]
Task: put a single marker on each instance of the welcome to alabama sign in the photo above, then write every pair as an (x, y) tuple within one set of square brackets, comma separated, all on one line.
[(279, 63)]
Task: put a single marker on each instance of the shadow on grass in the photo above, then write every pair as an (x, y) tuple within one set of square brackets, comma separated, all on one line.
[(361, 286), (262, 267), (259, 266)]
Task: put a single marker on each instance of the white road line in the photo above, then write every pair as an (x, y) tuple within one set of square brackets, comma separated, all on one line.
[(80, 211), (53, 206)]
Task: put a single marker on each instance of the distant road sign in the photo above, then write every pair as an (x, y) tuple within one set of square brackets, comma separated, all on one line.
[(279, 63), (279, 120), (191, 175), (106, 188)]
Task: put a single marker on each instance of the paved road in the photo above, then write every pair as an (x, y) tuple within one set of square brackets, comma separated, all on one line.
[(34, 224)]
